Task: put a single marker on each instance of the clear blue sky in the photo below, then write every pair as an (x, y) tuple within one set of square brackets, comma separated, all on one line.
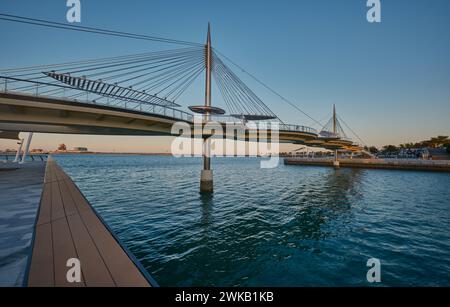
[(390, 81)]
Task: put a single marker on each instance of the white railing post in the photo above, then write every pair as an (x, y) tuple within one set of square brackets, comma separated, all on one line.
[(27, 148), (19, 150)]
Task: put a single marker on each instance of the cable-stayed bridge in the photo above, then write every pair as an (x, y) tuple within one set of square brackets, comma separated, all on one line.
[(140, 94)]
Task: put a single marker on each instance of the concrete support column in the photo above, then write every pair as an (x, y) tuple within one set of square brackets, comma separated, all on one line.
[(27, 148), (206, 181), (206, 177), (336, 161)]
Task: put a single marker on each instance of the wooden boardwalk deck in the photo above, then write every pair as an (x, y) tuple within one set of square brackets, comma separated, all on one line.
[(67, 227)]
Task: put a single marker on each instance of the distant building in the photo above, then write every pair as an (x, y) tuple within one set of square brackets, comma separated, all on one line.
[(82, 149), (439, 154), (37, 150), (62, 147)]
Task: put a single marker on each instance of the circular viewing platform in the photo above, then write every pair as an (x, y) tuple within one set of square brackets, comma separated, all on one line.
[(207, 110)]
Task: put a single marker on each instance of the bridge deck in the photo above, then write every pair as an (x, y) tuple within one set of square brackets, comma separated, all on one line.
[(67, 227)]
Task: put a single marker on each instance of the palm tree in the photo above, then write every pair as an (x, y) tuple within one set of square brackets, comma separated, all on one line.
[(373, 149), (435, 142), (390, 149)]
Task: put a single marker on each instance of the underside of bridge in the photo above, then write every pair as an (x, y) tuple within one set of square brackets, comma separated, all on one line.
[(48, 115)]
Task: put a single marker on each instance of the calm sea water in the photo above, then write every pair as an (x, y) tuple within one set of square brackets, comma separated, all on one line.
[(288, 226)]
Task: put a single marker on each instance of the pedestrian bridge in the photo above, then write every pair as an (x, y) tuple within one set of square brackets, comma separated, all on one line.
[(138, 95), (44, 114)]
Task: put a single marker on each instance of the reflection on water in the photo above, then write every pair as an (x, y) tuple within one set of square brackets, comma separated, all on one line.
[(289, 226)]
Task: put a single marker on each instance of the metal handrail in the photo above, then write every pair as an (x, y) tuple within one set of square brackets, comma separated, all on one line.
[(144, 107), (297, 128), (122, 104)]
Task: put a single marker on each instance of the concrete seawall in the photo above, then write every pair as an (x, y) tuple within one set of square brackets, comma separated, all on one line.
[(394, 164)]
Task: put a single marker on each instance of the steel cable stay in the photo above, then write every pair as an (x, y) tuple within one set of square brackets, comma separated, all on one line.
[(94, 75), (156, 80), (353, 132), (92, 63), (238, 97), (188, 83), (267, 87), (115, 63), (260, 112), (163, 78), (259, 105), (58, 25), (229, 101), (328, 129), (177, 79), (235, 94), (166, 73), (164, 66), (167, 66), (229, 94), (92, 66), (148, 59)]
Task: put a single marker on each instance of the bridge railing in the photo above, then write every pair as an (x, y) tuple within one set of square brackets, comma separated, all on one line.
[(36, 89), (10, 156), (297, 128), (59, 91), (281, 126)]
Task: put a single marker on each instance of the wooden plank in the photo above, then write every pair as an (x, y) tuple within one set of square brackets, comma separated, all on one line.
[(49, 174), (78, 198), (69, 228), (123, 270), (57, 204), (60, 175), (69, 205), (45, 209), (63, 250), (94, 270), (41, 268)]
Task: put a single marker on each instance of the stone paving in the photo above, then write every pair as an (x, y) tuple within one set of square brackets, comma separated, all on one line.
[(20, 193)]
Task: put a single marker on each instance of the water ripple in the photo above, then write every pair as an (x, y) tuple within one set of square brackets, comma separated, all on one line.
[(289, 226)]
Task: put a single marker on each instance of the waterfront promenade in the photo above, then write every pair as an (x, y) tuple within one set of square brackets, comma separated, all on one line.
[(20, 190), (45, 221), (67, 227)]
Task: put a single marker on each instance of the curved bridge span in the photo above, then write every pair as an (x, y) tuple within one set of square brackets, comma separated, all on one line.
[(34, 113)]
